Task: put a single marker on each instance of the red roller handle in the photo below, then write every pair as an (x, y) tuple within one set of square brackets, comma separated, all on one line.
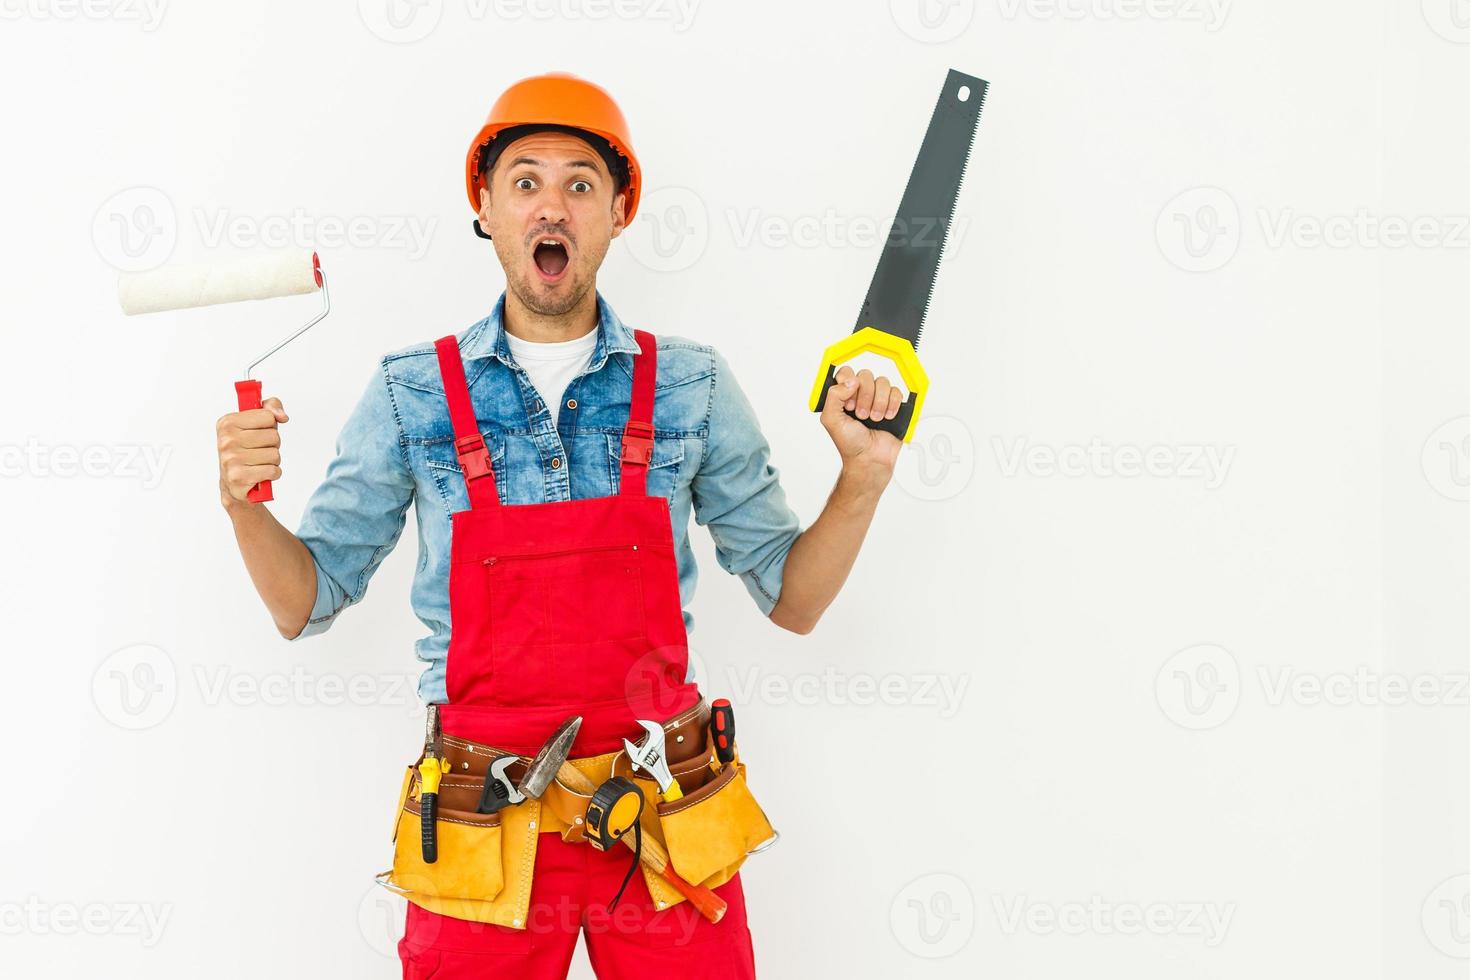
[(248, 392)]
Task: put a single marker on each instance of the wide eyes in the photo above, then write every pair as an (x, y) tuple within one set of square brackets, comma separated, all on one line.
[(528, 184)]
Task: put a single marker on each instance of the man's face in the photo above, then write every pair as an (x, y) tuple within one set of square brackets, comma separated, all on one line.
[(551, 186)]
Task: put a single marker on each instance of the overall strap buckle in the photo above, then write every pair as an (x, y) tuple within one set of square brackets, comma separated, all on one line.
[(469, 443), (637, 442), (474, 456)]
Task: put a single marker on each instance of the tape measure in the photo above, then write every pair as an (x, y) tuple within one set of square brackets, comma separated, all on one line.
[(614, 810)]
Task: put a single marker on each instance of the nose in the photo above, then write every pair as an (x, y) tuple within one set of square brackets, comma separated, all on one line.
[(551, 206)]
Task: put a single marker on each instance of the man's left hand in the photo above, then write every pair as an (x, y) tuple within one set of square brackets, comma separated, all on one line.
[(870, 453)]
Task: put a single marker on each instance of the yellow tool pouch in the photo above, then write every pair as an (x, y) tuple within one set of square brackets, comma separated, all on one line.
[(485, 861), (710, 830)]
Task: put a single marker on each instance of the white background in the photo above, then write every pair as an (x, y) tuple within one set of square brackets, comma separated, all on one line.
[(1185, 236)]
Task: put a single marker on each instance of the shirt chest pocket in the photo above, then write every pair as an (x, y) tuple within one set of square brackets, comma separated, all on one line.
[(663, 469)]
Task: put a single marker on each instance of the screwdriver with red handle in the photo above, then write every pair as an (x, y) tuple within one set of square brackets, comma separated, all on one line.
[(722, 729)]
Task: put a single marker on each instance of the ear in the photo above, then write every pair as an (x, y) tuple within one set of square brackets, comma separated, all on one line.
[(484, 206), (619, 213)]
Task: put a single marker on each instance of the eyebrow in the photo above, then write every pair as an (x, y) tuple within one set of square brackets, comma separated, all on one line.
[(540, 163)]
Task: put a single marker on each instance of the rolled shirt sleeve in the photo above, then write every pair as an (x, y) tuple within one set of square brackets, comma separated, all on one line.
[(737, 494), (356, 516)]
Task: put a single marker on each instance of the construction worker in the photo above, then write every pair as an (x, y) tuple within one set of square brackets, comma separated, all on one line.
[(552, 433)]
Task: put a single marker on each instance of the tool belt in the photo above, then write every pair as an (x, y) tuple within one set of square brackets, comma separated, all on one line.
[(485, 862)]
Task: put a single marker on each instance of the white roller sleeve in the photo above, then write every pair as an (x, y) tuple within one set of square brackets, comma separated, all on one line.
[(177, 287)]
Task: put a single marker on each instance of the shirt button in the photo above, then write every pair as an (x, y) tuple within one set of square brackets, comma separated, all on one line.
[(556, 463), (572, 404)]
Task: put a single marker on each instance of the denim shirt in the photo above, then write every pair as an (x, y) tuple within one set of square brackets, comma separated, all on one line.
[(709, 456)]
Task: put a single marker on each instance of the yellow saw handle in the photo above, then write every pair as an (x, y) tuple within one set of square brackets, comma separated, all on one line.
[(896, 349)]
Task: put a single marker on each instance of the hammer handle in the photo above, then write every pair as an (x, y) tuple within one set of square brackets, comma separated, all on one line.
[(710, 905)]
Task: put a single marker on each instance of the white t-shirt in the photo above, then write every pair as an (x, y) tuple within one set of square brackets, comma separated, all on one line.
[(552, 366)]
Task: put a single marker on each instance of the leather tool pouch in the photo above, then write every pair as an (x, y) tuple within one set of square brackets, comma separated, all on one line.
[(712, 828), (483, 871), (469, 865)]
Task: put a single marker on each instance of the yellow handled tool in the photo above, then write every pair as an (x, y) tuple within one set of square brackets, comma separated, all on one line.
[(431, 770), (892, 318)]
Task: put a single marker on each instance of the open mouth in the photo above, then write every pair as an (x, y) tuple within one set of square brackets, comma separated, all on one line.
[(551, 258)]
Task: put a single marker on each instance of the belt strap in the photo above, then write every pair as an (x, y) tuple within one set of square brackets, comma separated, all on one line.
[(469, 444)]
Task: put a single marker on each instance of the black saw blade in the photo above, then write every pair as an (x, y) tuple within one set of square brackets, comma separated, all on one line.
[(898, 297)]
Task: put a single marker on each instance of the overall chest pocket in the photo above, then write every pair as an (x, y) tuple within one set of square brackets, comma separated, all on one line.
[(563, 620)]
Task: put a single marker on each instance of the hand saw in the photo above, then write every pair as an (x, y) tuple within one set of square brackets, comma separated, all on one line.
[(892, 317)]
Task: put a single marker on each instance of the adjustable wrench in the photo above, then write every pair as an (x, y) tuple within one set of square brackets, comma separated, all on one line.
[(649, 755)]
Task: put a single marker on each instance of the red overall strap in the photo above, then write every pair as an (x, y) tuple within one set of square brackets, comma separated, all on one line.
[(469, 444), (638, 431)]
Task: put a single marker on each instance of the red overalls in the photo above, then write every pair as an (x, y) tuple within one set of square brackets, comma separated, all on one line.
[(559, 609)]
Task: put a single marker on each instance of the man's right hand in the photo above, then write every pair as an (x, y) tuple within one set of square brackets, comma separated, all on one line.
[(249, 450)]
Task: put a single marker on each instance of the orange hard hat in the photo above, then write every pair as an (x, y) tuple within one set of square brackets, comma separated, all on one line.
[(557, 99)]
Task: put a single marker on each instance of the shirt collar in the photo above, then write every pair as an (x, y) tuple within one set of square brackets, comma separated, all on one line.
[(487, 338)]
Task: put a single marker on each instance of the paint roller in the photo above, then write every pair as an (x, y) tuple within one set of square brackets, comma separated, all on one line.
[(181, 287)]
